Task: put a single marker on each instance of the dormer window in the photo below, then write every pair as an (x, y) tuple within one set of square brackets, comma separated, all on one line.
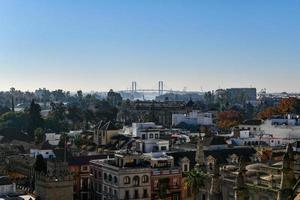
[(185, 168)]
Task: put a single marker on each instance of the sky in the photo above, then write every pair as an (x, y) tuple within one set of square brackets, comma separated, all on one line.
[(193, 44)]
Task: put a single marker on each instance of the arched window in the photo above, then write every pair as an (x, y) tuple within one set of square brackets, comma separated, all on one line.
[(105, 176), (145, 179), (136, 181), (109, 178), (126, 180), (115, 180)]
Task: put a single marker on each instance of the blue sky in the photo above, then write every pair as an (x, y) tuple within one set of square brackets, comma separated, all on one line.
[(97, 45)]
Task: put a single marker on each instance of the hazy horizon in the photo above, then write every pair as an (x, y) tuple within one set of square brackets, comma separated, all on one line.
[(99, 45)]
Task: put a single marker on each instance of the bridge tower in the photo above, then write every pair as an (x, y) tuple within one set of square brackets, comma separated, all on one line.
[(133, 87), (160, 87)]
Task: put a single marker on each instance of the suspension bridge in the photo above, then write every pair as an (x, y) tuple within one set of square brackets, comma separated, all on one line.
[(160, 89)]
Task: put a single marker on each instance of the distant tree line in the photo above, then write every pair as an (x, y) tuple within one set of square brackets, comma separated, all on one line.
[(81, 113)]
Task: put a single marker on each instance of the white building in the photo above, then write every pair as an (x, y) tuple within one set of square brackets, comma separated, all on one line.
[(46, 153), (147, 130), (148, 146), (75, 133), (284, 128), (193, 118), (53, 138), (281, 130)]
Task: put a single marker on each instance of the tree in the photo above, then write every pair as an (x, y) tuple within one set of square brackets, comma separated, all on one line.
[(78, 140), (39, 135), (195, 180), (228, 119), (19, 120), (287, 105), (76, 115), (209, 98), (4, 109), (57, 119), (63, 140), (40, 164), (79, 94), (104, 111), (268, 112), (35, 118)]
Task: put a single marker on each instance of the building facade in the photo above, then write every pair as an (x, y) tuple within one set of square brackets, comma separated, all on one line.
[(124, 177)]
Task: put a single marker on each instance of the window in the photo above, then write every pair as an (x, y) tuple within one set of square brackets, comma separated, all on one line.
[(95, 174), (127, 194), (156, 135), (136, 194), (126, 180), (175, 197), (109, 178), (136, 181), (105, 176), (151, 135), (143, 137), (96, 187), (175, 181), (145, 179), (110, 191), (115, 180), (145, 193), (105, 189), (163, 148), (100, 188)]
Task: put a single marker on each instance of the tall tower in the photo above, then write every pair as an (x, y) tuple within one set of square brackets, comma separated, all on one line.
[(160, 87), (200, 157), (287, 174), (56, 184), (240, 190), (215, 192), (133, 87)]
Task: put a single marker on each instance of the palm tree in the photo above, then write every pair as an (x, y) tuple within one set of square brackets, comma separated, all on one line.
[(195, 180)]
